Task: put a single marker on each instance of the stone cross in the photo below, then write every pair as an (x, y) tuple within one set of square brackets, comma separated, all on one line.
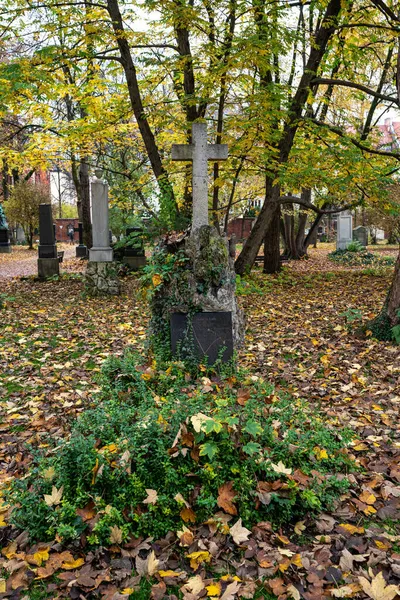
[(101, 250), (199, 152)]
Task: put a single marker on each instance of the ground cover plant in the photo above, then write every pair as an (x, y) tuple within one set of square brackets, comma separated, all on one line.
[(357, 255), (303, 344)]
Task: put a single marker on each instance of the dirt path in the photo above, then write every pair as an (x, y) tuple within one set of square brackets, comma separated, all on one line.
[(23, 262)]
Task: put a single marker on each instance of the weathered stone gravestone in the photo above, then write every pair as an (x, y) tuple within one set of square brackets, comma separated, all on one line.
[(197, 303), (360, 234), (134, 256), (81, 250), (48, 264), (344, 230), (101, 275), (5, 244)]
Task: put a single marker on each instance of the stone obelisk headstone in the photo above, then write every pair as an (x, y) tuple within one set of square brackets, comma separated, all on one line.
[(48, 264), (81, 249), (5, 244), (208, 289), (101, 274)]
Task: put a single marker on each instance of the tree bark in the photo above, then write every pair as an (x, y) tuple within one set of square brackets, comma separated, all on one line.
[(393, 305), (272, 253)]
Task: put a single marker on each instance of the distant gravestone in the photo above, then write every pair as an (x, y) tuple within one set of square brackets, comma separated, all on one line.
[(48, 264), (81, 249), (5, 244), (134, 256), (344, 230), (360, 234)]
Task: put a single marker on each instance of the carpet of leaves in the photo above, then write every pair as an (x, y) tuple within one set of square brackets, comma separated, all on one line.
[(302, 336)]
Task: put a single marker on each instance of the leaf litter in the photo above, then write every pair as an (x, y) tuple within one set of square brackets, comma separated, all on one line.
[(53, 341)]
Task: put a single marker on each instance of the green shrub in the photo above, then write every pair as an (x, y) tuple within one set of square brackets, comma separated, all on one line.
[(156, 428), (355, 246), (361, 257)]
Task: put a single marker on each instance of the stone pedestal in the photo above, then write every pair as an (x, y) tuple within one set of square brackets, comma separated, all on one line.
[(102, 279), (48, 267), (5, 245), (201, 293), (134, 262)]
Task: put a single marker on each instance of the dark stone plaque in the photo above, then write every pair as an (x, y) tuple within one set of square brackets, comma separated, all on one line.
[(208, 332)]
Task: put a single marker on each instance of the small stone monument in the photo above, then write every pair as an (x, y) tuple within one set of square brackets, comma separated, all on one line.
[(134, 256), (5, 244), (344, 230), (360, 234), (101, 274), (196, 306), (48, 264), (81, 250)]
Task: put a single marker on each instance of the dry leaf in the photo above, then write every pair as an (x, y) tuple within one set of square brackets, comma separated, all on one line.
[(198, 420), (152, 563), (239, 533), (196, 558), (55, 497), (152, 497), (231, 591), (226, 496), (281, 469), (116, 535), (194, 585), (70, 566), (377, 589), (294, 592)]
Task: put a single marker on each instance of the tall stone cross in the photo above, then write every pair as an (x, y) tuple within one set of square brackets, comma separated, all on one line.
[(199, 152)]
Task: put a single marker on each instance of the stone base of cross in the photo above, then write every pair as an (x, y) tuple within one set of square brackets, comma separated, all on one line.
[(199, 153)]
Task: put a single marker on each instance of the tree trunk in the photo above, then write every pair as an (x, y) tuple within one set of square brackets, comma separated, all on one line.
[(300, 237), (250, 249), (272, 253), (393, 304), (84, 185)]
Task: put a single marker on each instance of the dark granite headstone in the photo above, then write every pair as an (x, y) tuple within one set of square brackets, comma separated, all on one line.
[(47, 246), (361, 235), (81, 250), (209, 334)]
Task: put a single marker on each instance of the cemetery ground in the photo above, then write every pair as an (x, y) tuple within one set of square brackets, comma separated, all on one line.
[(302, 339)]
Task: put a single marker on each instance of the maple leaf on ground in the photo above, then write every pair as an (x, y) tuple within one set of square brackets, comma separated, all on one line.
[(55, 497), (116, 535), (195, 585), (196, 558), (148, 565), (231, 591), (152, 497), (198, 421), (281, 469), (377, 589), (239, 533), (226, 496)]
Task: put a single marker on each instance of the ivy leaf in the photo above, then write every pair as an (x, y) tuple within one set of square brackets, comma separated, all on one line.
[(209, 449), (251, 448), (253, 428)]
